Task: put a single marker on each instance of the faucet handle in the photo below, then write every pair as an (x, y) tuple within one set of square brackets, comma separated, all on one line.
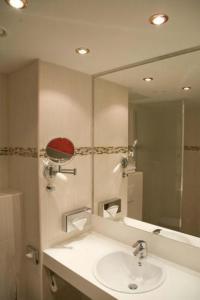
[(141, 243), (140, 248)]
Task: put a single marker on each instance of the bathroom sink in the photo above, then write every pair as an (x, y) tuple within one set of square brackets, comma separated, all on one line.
[(121, 272)]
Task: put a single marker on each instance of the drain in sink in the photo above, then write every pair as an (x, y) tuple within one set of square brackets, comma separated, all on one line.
[(132, 286)]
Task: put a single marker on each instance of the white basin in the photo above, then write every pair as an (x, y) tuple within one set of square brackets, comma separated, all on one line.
[(120, 271)]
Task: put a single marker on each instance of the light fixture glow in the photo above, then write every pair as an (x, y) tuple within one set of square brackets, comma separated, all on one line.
[(158, 19), (148, 79), (18, 4), (82, 51), (3, 32), (186, 88)]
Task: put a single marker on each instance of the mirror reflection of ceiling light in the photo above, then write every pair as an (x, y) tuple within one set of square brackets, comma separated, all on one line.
[(148, 79), (3, 32), (82, 51), (186, 88), (158, 19), (18, 4)]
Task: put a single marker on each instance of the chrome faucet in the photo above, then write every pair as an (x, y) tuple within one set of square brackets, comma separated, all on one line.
[(140, 249)]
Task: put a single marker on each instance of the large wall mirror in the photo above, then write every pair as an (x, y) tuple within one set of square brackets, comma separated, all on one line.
[(150, 115)]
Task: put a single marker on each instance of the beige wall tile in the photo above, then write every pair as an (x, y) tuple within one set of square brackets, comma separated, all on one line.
[(64, 111), (110, 129), (3, 130), (135, 195), (108, 180), (3, 111), (110, 114), (23, 172), (9, 239), (65, 105), (23, 106)]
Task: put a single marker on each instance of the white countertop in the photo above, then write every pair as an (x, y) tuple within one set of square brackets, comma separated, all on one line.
[(74, 261)]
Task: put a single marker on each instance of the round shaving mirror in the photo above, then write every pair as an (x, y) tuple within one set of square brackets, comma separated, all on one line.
[(60, 150)]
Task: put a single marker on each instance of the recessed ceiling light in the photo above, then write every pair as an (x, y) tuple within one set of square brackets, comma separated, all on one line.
[(18, 4), (148, 79), (82, 51), (3, 32), (186, 88), (158, 19)]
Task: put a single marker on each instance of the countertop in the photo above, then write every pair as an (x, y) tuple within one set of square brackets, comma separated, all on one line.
[(74, 261)]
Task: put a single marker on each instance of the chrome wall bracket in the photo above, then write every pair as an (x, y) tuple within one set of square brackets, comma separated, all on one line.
[(32, 254), (50, 172)]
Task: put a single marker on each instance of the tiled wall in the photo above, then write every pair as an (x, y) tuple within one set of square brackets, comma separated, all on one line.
[(135, 180), (10, 238), (110, 129), (10, 211), (64, 111), (191, 187), (56, 102), (3, 132), (23, 170)]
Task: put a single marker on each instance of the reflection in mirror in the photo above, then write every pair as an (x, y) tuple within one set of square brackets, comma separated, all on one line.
[(147, 133)]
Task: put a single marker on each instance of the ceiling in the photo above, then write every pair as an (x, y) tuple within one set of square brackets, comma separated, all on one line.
[(116, 31), (169, 75)]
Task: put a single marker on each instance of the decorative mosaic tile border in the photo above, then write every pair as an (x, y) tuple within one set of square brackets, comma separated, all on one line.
[(18, 151), (4, 151), (192, 148), (78, 151), (82, 151), (96, 150), (110, 150)]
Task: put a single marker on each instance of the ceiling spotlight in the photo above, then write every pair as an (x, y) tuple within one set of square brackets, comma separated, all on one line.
[(186, 88), (82, 51), (158, 19), (148, 79), (18, 4), (3, 32)]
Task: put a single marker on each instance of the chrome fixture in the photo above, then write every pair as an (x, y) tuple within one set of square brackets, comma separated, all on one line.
[(76, 220), (140, 250), (157, 231), (50, 172), (148, 79), (57, 153), (3, 32), (18, 4), (158, 19), (186, 88), (128, 164), (32, 254), (82, 51), (52, 282), (124, 165), (110, 208)]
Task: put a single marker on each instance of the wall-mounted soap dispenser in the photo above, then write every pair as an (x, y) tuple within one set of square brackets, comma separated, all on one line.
[(58, 152)]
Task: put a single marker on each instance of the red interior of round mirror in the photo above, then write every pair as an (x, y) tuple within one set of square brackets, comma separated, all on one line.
[(60, 149), (62, 145)]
